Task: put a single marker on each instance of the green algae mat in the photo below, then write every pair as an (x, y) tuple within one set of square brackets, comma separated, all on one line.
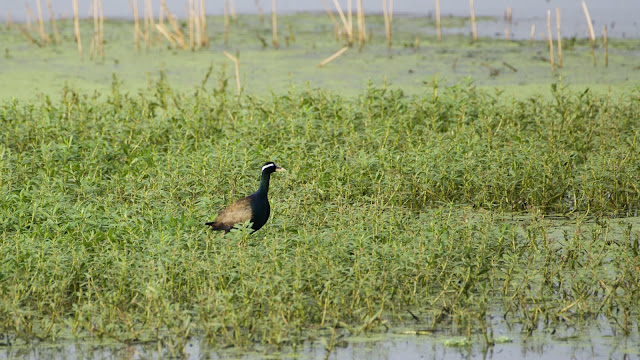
[(306, 40)]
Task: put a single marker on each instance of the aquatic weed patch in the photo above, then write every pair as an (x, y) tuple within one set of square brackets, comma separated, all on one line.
[(393, 203)]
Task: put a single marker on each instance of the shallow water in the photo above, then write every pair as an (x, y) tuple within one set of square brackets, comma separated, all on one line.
[(515, 67), (594, 340)]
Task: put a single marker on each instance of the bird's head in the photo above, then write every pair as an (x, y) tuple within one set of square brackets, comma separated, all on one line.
[(271, 167)]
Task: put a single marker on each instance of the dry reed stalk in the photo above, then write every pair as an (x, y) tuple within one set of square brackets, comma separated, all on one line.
[(232, 7), (203, 25), (9, 20), (328, 9), (362, 36), (96, 23), (101, 37), (508, 29), (177, 32), (43, 36), (261, 12), (553, 65), (161, 22), (592, 34), (350, 21), (178, 35), (386, 18), (387, 11), (606, 46), (162, 29), (136, 23), (237, 66), (416, 42), (76, 26), (28, 36), (532, 35), (333, 57), (165, 10), (30, 16), (438, 28), (559, 37), (92, 43), (359, 20), (93, 48), (474, 29), (364, 22), (197, 24), (274, 24), (226, 22), (190, 21), (345, 24), (390, 12), (145, 17), (52, 19), (149, 23)]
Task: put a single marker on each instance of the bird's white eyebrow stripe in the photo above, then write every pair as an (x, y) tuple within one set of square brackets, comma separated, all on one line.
[(268, 165)]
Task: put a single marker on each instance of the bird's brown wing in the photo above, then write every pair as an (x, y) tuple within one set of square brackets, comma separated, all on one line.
[(238, 212)]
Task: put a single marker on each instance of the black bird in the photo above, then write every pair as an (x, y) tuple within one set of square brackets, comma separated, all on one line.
[(254, 207)]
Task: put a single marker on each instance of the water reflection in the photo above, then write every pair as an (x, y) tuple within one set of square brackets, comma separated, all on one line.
[(595, 341)]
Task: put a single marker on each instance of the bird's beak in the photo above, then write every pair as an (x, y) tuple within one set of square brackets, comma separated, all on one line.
[(279, 169)]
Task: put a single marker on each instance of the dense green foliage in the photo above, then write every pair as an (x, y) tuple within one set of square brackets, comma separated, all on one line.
[(391, 203)]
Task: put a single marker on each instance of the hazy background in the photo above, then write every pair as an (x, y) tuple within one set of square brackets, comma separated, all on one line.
[(621, 16)]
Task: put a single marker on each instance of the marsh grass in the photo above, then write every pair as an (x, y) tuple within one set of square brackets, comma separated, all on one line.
[(437, 204)]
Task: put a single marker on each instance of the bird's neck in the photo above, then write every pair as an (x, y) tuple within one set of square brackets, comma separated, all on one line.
[(264, 184)]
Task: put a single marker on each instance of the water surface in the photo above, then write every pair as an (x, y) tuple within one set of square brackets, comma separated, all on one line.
[(594, 340)]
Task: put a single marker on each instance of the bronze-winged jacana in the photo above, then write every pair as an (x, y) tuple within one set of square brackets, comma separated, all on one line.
[(254, 207)]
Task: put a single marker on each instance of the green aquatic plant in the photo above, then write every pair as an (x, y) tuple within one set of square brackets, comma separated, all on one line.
[(457, 205)]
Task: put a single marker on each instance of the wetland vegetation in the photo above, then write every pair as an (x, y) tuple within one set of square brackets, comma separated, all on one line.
[(447, 209), (431, 206)]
